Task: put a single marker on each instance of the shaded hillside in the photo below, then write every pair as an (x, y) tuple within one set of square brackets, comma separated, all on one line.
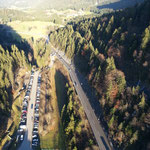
[(117, 4), (9, 37), (12, 59), (113, 52)]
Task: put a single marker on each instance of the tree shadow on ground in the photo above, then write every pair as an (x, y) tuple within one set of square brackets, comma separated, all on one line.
[(9, 37), (61, 90)]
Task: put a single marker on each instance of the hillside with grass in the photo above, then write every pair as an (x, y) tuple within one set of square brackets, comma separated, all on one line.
[(112, 51)]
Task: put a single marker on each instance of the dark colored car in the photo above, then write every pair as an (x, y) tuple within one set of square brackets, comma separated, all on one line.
[(31, 106)]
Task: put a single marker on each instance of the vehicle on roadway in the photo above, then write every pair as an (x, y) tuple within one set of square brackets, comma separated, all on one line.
[(23, 120), (21, 137), (24, 108), (35, 135), (37, 102), (35, 130), (34, 144), (36, 109), (24, 115), (35, 140), (31, 106), (36, 125), (75, 84), (20, 130), (37, 105)]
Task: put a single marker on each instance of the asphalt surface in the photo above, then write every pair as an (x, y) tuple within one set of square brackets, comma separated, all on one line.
[(26, 144), (98, 131)]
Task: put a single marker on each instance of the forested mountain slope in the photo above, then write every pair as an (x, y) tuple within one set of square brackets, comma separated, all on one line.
[(12, 59), (113, 51)]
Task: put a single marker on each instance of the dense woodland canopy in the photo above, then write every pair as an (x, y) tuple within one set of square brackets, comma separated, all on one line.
[(113, 51), (12, 59), (77, 134), (10, 62)]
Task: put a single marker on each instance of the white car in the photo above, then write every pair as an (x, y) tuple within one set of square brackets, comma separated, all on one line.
[(35, 140), (20, 130), (35, 136), (21, 137)]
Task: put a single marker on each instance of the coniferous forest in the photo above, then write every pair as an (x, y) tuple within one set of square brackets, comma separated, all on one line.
[(113, 52)]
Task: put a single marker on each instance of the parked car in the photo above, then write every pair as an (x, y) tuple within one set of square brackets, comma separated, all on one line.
[(35, 125), (37, 102), (35, 135), (36, 109), (31, 106), (20, 130), (25, 103), (22, 125), (34, 144), (37, 99), (37, 94), (37, 105), (36, 115), (24, 115), (36, 112), (35, 140), (35, 130), (24, 109), (23, 120), (21, 137)]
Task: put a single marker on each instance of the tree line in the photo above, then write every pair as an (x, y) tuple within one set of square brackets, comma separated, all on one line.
[(77, 134), (10, 62), (113, 52)]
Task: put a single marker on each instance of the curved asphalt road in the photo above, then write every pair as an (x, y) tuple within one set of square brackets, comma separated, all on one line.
[(26, 144), (99, 134)]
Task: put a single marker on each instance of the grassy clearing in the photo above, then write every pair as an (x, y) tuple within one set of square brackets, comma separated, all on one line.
[(49, 141), (61, 78), (28, 29), (53, 139), (61, 94), (36, 29)]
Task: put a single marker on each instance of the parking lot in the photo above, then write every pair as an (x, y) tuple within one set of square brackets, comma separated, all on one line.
[(23, 118), (27, 135), (35, 136)]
